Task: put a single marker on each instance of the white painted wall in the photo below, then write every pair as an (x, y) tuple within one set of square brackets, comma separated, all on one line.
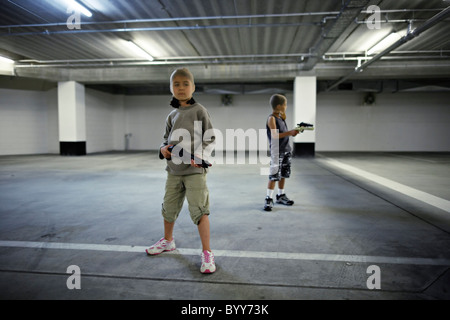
[(24, 119), (103, 121), (248, 112), (52, 121), (145, 116), (397, 122), (305, 109)]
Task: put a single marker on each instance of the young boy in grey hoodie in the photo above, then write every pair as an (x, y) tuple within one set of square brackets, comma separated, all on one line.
[(186, 178)]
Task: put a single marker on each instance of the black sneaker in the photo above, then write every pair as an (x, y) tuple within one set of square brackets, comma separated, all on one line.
[(282, 199), (268, 204)]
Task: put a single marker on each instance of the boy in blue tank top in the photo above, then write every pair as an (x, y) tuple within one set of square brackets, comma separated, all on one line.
[(280, 164)]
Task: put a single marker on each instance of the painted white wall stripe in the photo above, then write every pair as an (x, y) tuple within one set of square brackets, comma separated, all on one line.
[(411, 192), (234, 253)]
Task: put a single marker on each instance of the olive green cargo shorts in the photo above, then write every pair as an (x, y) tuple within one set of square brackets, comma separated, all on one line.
[(193, 187)]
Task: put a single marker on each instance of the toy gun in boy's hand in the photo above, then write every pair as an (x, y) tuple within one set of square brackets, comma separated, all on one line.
[(304, 126), (203, 163)]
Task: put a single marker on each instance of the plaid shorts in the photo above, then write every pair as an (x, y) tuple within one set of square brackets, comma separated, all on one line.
[(280, 166)]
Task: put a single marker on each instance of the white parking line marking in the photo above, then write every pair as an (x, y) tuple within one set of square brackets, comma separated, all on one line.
[(234, 253), (411, 192)]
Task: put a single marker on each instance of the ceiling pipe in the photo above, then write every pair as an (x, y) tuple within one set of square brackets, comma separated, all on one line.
[(350, 9), (178, 19), (175, 59), (158, 20), (409, 36), (197, 27), (151, 63)]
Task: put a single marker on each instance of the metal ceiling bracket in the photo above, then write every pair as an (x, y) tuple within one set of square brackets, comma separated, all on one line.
[(408, 37)]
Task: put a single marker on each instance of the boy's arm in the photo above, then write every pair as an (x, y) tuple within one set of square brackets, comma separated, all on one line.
[(204, 136), (163, 149), (274, 131), (207, 125), (203, 151)]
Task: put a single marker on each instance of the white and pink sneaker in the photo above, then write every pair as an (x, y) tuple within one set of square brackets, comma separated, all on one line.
[(161, 246), (208, 264)]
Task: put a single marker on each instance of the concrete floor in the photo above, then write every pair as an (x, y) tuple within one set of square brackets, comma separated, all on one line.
[(100, 211)]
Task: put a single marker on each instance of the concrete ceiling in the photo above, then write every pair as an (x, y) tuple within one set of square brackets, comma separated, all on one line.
[(224, 41)]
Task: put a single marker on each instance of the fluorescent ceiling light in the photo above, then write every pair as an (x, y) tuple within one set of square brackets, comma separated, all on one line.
[(3, 59), (138, 50), (78, 7), (385, 43)]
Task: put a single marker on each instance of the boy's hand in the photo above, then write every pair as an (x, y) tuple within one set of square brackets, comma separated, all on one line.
[(198, 162), (295, 132), (165, 152), (193, 164)]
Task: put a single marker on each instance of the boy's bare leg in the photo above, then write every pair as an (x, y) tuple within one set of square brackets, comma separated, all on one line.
[(271, 185), (203, 230), (168, 230), (281, 183)]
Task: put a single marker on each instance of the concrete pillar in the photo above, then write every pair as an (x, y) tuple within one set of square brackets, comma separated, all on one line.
[(6, 67), (305, 111), (72, 118)]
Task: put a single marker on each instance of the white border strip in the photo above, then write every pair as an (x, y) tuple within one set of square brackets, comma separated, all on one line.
[(233, 253), (411, 192)]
